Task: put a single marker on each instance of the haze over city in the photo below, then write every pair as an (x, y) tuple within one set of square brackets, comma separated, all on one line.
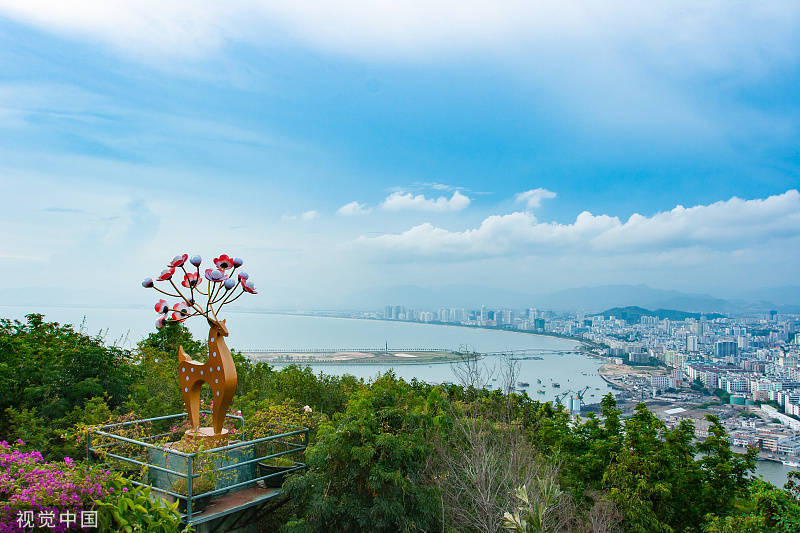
[(348, 153)]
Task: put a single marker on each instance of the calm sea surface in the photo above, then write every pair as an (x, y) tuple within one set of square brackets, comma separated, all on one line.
[(558, 364)]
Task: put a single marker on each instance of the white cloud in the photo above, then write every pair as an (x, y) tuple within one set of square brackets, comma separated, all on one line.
[(744, 33), (353, 208), (398, 201), (729, 225), (304, 216), (533, 198)]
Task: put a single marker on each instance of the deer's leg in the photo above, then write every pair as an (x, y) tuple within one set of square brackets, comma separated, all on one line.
[(222, 401), (191, 397)]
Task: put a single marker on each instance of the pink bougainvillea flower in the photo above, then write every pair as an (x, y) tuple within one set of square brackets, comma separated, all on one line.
[(249, 287), (215, 275), (166, 274), (243, 276), (191, 280), (223, 262), (147, 283), (178, 260), (161, 306), (237, 262), (181, 309), (160, 322), (196, 260)]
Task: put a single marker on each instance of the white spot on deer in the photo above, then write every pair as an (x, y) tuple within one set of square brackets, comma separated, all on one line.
[(186, 389), (217, 393), (217, 368), (214, 354), (192, 369), (216, 381), (212, 339)]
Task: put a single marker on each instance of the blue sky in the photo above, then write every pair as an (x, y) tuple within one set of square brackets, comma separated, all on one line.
[(132, 133)]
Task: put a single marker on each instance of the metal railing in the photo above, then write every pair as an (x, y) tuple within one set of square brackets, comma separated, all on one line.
[(191, 460)]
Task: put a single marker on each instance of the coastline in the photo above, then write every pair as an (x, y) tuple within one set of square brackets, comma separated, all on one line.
[(585, 345)]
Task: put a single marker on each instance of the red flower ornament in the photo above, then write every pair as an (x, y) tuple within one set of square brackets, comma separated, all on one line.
[(178, 260), (181, 309), (191, 280), (166, 274), (223, 262), (161, 306), (249, 286)]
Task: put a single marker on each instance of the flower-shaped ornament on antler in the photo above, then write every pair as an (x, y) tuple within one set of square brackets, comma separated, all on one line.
[(220, 289)]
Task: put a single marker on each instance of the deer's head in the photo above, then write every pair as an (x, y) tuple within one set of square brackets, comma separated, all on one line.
[(219, 327)]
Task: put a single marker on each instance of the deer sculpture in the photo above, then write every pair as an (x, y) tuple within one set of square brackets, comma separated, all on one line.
[(219, 371)]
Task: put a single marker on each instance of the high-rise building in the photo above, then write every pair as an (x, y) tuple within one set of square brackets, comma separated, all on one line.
[(724, 348), (742, 342), (691, 343)]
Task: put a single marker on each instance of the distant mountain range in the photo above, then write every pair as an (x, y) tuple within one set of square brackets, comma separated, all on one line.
[(633, 314), (587, 299)]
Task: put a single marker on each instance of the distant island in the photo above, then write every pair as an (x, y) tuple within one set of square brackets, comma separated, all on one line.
[(633, 314)]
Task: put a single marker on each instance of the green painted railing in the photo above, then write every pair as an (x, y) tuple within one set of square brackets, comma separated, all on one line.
[(194, 458)]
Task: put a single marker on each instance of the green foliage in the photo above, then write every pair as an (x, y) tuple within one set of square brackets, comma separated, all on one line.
[(660, 485), (367, 470), (130, 508), (49, 372), (533, 515), (765, 510), (722, 395)]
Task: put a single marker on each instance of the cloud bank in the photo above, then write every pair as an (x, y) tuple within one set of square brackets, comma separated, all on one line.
[(729, 225)]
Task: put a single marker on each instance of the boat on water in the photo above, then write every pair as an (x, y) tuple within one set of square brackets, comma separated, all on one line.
[(538, 381), (523, 384), (540, 391), (788, 462), (556, 385)]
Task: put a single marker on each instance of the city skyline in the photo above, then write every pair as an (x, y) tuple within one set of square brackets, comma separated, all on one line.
[(508, 147)]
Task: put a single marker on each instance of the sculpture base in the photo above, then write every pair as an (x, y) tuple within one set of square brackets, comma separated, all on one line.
[(208, 438)]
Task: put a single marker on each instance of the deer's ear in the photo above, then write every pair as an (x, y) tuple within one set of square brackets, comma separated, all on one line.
[(223, 321)]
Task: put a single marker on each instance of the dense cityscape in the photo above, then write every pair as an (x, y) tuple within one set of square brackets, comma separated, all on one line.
[(683, 365)]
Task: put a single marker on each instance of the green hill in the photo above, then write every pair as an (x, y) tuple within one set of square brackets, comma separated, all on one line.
[(632, 314)]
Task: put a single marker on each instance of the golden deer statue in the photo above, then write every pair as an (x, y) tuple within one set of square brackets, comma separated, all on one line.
[(219, 371)]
